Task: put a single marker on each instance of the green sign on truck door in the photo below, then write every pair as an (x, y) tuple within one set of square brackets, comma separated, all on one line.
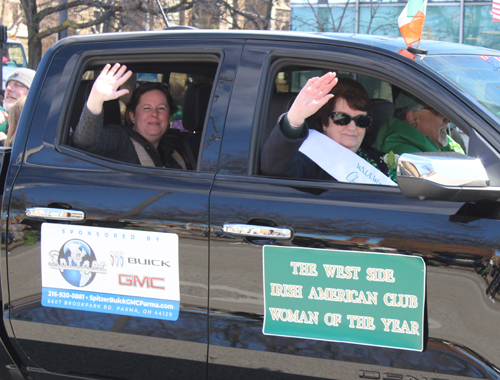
[(374, 299)]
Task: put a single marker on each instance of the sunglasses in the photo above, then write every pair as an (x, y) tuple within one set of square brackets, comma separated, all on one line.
[(341, 118)]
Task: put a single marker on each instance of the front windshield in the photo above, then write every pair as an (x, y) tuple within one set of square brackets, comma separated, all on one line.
[(13, 55), (479, 76)]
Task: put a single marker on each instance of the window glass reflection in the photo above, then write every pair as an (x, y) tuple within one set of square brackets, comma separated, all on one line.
[(442, 23), (477, 76), (381, 18), (324, 18), (479, 28)]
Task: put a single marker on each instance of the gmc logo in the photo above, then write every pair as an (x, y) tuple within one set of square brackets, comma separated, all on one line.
[(136, 281)]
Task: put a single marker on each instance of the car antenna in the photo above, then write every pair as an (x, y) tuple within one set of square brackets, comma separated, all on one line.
[(162, 13)]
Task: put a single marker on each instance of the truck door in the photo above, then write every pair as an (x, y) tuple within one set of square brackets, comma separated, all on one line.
[(265, 314), (108, 262)]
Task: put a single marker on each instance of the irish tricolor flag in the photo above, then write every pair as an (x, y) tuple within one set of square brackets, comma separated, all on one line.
[(411, 21)]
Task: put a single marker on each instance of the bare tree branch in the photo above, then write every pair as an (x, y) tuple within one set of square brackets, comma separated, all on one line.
[(112, 15), (321, 24), (259, 18), (372, 14), (341, 17), (68, 24), (62, 7)]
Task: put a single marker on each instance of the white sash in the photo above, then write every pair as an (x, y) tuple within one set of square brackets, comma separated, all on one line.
[(341, 163)]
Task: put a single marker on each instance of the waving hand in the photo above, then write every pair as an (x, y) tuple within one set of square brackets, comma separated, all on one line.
[(106, 86), (311, 98)]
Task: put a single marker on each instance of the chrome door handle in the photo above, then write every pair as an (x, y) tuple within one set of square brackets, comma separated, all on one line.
[(55, 214), (249, 230)]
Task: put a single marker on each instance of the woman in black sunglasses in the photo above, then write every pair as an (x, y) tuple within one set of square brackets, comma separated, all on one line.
[(143, 140), (341, 109)]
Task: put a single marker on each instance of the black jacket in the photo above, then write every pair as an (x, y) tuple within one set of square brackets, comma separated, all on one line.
[(114, 141)]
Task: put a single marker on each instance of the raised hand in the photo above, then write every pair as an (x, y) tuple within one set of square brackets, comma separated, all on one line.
[(311, 98), (106, 86)]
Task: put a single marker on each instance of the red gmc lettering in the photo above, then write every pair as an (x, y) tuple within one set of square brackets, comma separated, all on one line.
[(135, 281)]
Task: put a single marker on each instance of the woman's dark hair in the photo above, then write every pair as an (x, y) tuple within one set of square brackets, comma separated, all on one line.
[(352, 92), (141, 90)]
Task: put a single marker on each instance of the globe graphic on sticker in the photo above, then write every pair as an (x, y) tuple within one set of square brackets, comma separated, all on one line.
[(76, 253)]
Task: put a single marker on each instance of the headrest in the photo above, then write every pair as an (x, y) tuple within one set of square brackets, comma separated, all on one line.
[(195, 106), (82, 95), (112, 112), (111, 108), (381, 110), (279, 104)]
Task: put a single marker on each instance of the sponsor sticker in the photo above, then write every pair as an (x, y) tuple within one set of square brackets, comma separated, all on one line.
[(373, 299), (118, 271)]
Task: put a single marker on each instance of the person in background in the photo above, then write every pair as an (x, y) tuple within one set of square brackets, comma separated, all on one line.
[(16, 87), (14, 116), (418, 128)]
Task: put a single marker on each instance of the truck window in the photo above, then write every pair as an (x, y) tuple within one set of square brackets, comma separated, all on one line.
[(286, 152), (189, 85), (14, 55)]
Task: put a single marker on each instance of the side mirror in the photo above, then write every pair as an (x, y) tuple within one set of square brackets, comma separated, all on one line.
[(444, 176)]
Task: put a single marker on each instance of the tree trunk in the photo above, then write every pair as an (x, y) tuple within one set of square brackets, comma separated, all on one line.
[(34, 43), (269, 9)]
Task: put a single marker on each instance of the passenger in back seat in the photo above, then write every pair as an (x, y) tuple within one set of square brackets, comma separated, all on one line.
[(342, 112), (143, 140), (418, 128)]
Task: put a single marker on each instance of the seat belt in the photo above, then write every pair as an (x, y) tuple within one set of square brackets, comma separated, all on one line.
[(144, 157)]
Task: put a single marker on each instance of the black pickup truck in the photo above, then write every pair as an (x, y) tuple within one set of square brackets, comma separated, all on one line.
[(117, 271)]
